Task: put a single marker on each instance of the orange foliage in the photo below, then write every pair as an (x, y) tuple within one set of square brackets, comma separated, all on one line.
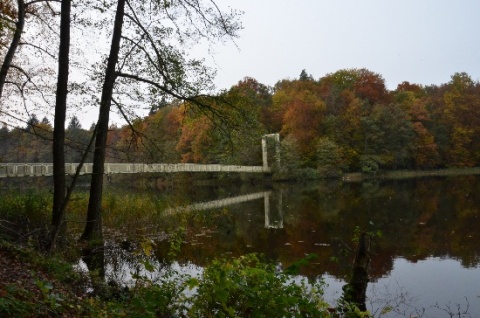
[(365, 84), (418, 112), (302, 121), (371, 86), (194, 140), (408, 87), (426, 154)]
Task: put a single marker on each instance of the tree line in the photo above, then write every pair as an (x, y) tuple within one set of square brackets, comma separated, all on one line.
[(345, 121), (33, 142)]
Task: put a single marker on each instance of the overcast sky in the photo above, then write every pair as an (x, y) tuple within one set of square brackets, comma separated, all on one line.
[(420, 41)]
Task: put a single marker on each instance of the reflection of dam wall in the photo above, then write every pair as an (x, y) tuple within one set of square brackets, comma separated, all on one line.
[(273, 210), (272, 220), (46, 169), (215, 204)]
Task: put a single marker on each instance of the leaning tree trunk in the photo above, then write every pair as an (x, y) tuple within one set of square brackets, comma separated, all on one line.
[(7, 62), (58, 212), (93, 227), (355, 291)]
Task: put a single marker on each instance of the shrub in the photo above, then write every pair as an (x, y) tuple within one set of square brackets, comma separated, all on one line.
[(248, 287)]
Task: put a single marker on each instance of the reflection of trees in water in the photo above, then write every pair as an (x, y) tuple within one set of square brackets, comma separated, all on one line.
[(421, 217), (356, 290), (124, 262), (417, 218), (390, 303)]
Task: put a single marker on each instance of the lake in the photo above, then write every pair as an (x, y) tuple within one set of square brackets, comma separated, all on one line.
[(425, 246), (425, 236)]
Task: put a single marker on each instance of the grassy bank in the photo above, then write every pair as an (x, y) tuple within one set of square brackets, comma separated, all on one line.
[(407, 174)]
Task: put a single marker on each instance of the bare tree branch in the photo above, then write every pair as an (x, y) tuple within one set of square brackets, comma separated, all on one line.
[(38, 1), (134, 131), (38, 48)]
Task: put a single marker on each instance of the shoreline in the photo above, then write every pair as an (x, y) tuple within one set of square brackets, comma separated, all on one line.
[(408, 174)]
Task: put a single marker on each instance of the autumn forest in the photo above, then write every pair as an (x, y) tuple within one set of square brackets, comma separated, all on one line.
[(347, 121)]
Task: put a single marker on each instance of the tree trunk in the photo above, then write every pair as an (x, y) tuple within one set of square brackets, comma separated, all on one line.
[(7, 62), (355, 291), (58, 212), (93, 227)]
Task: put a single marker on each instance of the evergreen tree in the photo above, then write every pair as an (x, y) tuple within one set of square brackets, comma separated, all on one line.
[(31, 122), (74, 124), (304, 76)]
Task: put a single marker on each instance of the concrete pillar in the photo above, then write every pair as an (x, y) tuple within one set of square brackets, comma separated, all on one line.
[(277, 149), (276, 140), (264, 152)]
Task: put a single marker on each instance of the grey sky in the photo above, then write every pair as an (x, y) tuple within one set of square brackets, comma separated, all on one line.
[(420, 41)]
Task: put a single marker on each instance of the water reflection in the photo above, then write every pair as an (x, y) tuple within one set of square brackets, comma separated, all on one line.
[(273, 210), (272, 206), (417, 219), (428, 254), (356, 289), (431, 220)]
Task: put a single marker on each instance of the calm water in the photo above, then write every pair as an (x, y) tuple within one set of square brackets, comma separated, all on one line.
[(425, 258)]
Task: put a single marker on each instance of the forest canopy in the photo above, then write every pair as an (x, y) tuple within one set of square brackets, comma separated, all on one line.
[(345, 121)]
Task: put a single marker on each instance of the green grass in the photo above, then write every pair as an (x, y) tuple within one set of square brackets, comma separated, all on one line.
[(26, 216), (407, 174)]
